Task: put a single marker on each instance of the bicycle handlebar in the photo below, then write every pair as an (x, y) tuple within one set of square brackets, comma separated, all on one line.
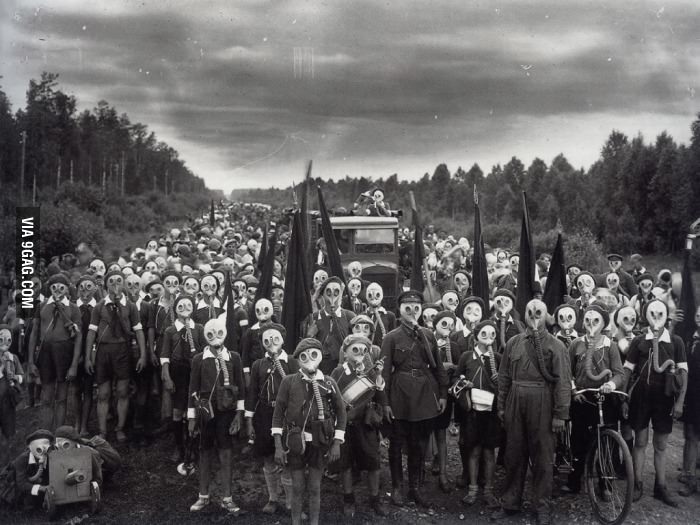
[(597, 391)]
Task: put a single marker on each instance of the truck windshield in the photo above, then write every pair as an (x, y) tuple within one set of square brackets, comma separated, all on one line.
[(344, 240), (374, 241)]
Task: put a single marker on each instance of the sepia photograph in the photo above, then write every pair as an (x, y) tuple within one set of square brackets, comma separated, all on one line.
[(349, 262)]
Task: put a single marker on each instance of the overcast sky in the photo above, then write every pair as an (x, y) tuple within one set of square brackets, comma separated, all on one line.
[(248, 91)]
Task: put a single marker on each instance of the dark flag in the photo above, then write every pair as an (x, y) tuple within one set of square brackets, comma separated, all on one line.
[(297, 298), (686, 328), (232, 328), (212, 219), (526, 269), (555, 287), (263, 251), (335, 267), (480, 274), (264, 290), (417, 281)]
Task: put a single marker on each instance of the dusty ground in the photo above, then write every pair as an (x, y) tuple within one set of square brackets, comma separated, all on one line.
[(149, 490)]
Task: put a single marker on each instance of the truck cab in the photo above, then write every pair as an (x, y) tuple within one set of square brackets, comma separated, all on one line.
[(373, 241)]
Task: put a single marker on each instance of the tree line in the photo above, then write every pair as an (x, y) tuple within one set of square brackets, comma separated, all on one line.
[(636, 197), (97, 147)]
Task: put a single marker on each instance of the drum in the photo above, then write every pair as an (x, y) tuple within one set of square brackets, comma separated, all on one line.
[(358, 391)]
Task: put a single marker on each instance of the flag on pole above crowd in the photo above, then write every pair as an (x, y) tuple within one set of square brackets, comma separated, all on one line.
[(335, 266), (263, 249), (297, 299), (212, 217), (555, 287), (480, 276), (417, 281), (526, 268), (264, 290), (231, 341)]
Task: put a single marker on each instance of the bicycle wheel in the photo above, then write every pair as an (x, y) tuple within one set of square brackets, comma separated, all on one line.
[(609, 477)]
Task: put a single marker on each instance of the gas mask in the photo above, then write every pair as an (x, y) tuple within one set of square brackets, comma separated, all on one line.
[(186, 269), (615, 265), (277, 298), (535, 314), (191, 286), (501, 257), (656, 315), (215, 331), (374, 294), (277, 269), (355, 353), (645, 286), (152, 246), (461, 281), (450, 301), (585, 284), (86, 291), (171, 285), (227, 264), (486, 336), (161, 263), (354, 287), (114, 267), (309, 360), (39, 448), (58, 291), (272, 340), (115, 286), (319, 277), (184, 308), (133, 286), (209, 285), (626, 319), (593, 323), (613, 281), (331, 295), (127, 271), (444, 327), (263, 310), (362, 329), (64, 444), (98, 267), (566, 318), (5, 340), (514, 263), (428, 315), (378, 196), (252, 290), (156, 291), (608, 299), (472, 313), (410, 312), (151, 266), (355, 269), (504, 305)]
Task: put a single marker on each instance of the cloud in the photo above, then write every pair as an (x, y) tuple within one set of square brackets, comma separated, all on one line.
[(248, 91)]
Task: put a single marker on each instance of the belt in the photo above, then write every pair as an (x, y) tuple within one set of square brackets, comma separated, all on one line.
[(530, 383), (414, 372)]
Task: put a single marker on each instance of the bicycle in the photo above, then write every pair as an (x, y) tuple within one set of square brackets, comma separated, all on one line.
[(609, 471)]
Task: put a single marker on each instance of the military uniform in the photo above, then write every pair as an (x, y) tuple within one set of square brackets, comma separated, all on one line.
[(331, 330)]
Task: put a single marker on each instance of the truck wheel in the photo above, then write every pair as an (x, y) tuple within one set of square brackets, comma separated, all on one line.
[(50, 503), (95, 497)]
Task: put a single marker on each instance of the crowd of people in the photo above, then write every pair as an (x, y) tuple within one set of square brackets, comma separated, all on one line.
[(149, 344)]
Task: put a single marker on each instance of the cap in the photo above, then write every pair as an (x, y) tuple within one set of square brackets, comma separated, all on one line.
[(39, 434), (58, 278), (361, 319), (483, 324), (635, 257), (645, 276), (442, 315), (505, 292), (67, 432), (614, 257), (306, 344), (602, 311), (353, 339), (112, 273), (273, 326), (473, 299), (410, 296)]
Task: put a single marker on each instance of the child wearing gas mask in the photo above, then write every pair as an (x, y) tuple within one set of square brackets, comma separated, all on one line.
[(58, 342), (215, 406), (383, 321), (31, 469), (507, 324), (480, 428), (595, 363), (472, 313), (361, 446), (80, 391), (565, 319), (209, 306), (11, 379), (656, 363), (310, 411), (181, 342), (251, 343), (266, 376)]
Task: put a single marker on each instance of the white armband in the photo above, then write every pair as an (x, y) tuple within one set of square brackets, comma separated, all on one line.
[(629, 365), (339, 435)]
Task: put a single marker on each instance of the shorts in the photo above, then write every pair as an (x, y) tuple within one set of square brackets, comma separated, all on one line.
[(313, 457), (54, 360), (651, 405), (443, 420), (264, 444), (215, 432), (180, 374), (480, 429), (113, 361), (8, 416), (361, 448)]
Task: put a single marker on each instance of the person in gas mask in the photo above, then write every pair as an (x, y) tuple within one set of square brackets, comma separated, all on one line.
[(311, 414), (251, 344), (331, 324), (657, 367), (416, 386), (113, 323), (209, 306), (534, 392), (595, 363), (57, 341), (32, 469), (383, 320)]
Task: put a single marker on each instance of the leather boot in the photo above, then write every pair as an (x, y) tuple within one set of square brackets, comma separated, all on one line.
[(691, 487)]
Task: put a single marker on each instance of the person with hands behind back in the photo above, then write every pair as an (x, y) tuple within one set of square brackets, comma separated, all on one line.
[(308, 426)]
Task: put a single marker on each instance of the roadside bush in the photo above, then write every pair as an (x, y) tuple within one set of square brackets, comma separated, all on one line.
[(64, 226)]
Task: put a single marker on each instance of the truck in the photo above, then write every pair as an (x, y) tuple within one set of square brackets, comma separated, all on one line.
[(374, 242)]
